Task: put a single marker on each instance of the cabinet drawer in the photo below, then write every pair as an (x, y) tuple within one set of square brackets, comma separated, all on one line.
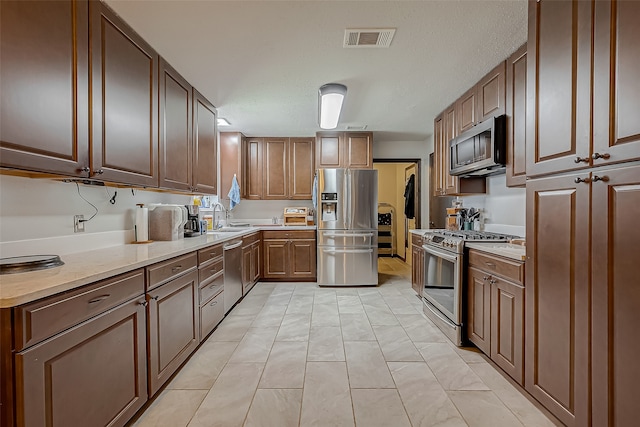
[(251, 238), (290, 234), (162, 272), (211, 314), (207, 271), (211, 287), (42, 319), (416, 239), (209, 253), (504, 267)]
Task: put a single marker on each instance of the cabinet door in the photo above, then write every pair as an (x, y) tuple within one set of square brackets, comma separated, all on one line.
[(507, 327), (451, 183), (516, 110), (205, 169), (44, 107), (329, 153), (439, 155), (557, 296), (479, 309), (466, 110), (276, 169), (175, 129), (231, 144), (93, 374), (256, 261), (558, 90), (247, 271), (416, 269), (302, 256), (358, 150), (276, 264), (616, 92), (252, 169), (302, 167), (491, 93), (124, 94), (173, 327), (616, 296)]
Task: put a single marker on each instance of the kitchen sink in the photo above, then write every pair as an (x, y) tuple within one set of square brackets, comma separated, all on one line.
[(230, 230)]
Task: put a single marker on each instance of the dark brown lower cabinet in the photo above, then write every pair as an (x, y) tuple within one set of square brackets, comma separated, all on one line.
[(93, 374), (211, 313), (479, 310), (256, 260), (276, 264), (302, 253), (289, 255), (172, 327), (507, 327), (417, 259)]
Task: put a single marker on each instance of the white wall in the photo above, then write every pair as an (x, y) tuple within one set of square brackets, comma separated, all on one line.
[(263, 209)]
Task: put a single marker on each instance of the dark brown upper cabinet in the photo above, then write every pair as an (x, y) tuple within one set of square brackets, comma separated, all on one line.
[(301, 168), (491, 94), (124, 144), (175, 156), (205, 170), (329, 152), (616, 92), (231, 145), (466, 111), (344, 150), (252, 168), (44, 107), (516, 110), (276, 168)]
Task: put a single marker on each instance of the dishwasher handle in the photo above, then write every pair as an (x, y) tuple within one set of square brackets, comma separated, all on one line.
[(232, 246)]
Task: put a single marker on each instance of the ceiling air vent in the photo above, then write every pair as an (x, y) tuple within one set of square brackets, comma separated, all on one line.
[(356, 127), (368, 37)]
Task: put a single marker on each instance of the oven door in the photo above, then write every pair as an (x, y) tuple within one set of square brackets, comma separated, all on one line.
[(442, 276)]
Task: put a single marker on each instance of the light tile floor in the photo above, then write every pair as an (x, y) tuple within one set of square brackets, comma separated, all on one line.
[(295, 354)]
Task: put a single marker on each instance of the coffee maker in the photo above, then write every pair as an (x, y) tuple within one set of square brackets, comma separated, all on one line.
[(192, 228)]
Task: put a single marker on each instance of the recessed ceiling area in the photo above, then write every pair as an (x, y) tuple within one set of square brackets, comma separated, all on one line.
[(261, 62)]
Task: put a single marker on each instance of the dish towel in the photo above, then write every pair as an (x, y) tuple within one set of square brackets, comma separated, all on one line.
[(314, 190), (234, 193)]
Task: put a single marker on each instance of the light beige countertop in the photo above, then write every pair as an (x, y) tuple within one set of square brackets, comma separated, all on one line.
[(83, 268), (507, 250)]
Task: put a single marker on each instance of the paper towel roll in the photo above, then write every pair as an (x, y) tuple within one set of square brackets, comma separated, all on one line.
[(142, 224)]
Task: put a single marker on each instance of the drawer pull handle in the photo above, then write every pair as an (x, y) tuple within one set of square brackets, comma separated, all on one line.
[(156, 297), (212, 254), (213, 286), (176, 268), (597, 156), (603, 178), (490, 264), (98, 299), (214, 270), (213, 303)]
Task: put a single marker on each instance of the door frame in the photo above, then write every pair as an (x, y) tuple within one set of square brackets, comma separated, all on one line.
[(418, 189)]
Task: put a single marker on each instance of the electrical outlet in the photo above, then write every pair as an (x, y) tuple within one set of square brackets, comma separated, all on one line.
[(78, 223)]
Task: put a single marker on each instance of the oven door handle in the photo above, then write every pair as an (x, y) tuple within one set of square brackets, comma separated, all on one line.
[(442, 254), (440, 316)]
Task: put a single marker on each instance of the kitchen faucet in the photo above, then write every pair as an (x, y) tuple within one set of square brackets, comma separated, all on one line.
[(216, 222)]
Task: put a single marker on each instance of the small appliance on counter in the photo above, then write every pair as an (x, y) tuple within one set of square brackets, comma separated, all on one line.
[(295, 216), (193, 227), (166, 222)]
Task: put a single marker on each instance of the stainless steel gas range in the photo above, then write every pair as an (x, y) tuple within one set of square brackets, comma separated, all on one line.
[(443, 276)]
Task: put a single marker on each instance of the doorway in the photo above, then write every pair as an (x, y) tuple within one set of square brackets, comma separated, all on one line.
[(393, 177)]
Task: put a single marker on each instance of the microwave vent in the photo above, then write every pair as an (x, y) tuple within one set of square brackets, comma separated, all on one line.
[(368, 37)]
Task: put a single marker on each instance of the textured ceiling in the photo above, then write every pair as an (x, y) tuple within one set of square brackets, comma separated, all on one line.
[(261, 62)]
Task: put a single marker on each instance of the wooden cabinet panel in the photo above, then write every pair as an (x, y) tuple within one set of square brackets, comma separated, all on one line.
[(358, 150), (275, 169), (329, 152), (256, 261), (210, 287), (504, 267), (275, 258), (616, 92), (247, 274), (558, 91), (231, 145), (417, 258), (211, 314), (162, 272), (253, 168), (124, 101), (93, 374), (451, 183), (44, 107), (491, 93), (175, 168), (557, 296), (507, 327), (205, 128), (303, 258), (172, 327), (439, 159), (301, 168), (516, 111), (479, 315), (466, 110), (616, 296)]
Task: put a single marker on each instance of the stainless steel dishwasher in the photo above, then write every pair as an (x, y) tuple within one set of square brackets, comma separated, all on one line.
[(232, 273)]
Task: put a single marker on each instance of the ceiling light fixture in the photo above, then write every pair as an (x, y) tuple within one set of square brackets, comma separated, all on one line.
[(330, 97), (223, 122)]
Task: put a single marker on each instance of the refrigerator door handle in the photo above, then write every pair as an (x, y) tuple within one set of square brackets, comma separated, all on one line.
[(347, 251), (349, 235), (349, 200)]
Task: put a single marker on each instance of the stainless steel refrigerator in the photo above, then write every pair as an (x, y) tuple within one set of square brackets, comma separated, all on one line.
[(347, 227)]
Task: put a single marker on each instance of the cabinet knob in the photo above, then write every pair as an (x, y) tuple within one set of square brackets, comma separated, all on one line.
[(597, 178), (492, 281), (99, 172), (156, 297), (485, 278), (85, 169), (143, 303), (581, 160), (596, 156), (578, 180)]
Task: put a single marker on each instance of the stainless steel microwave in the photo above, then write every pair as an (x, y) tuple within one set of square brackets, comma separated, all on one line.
[(481, 150)]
